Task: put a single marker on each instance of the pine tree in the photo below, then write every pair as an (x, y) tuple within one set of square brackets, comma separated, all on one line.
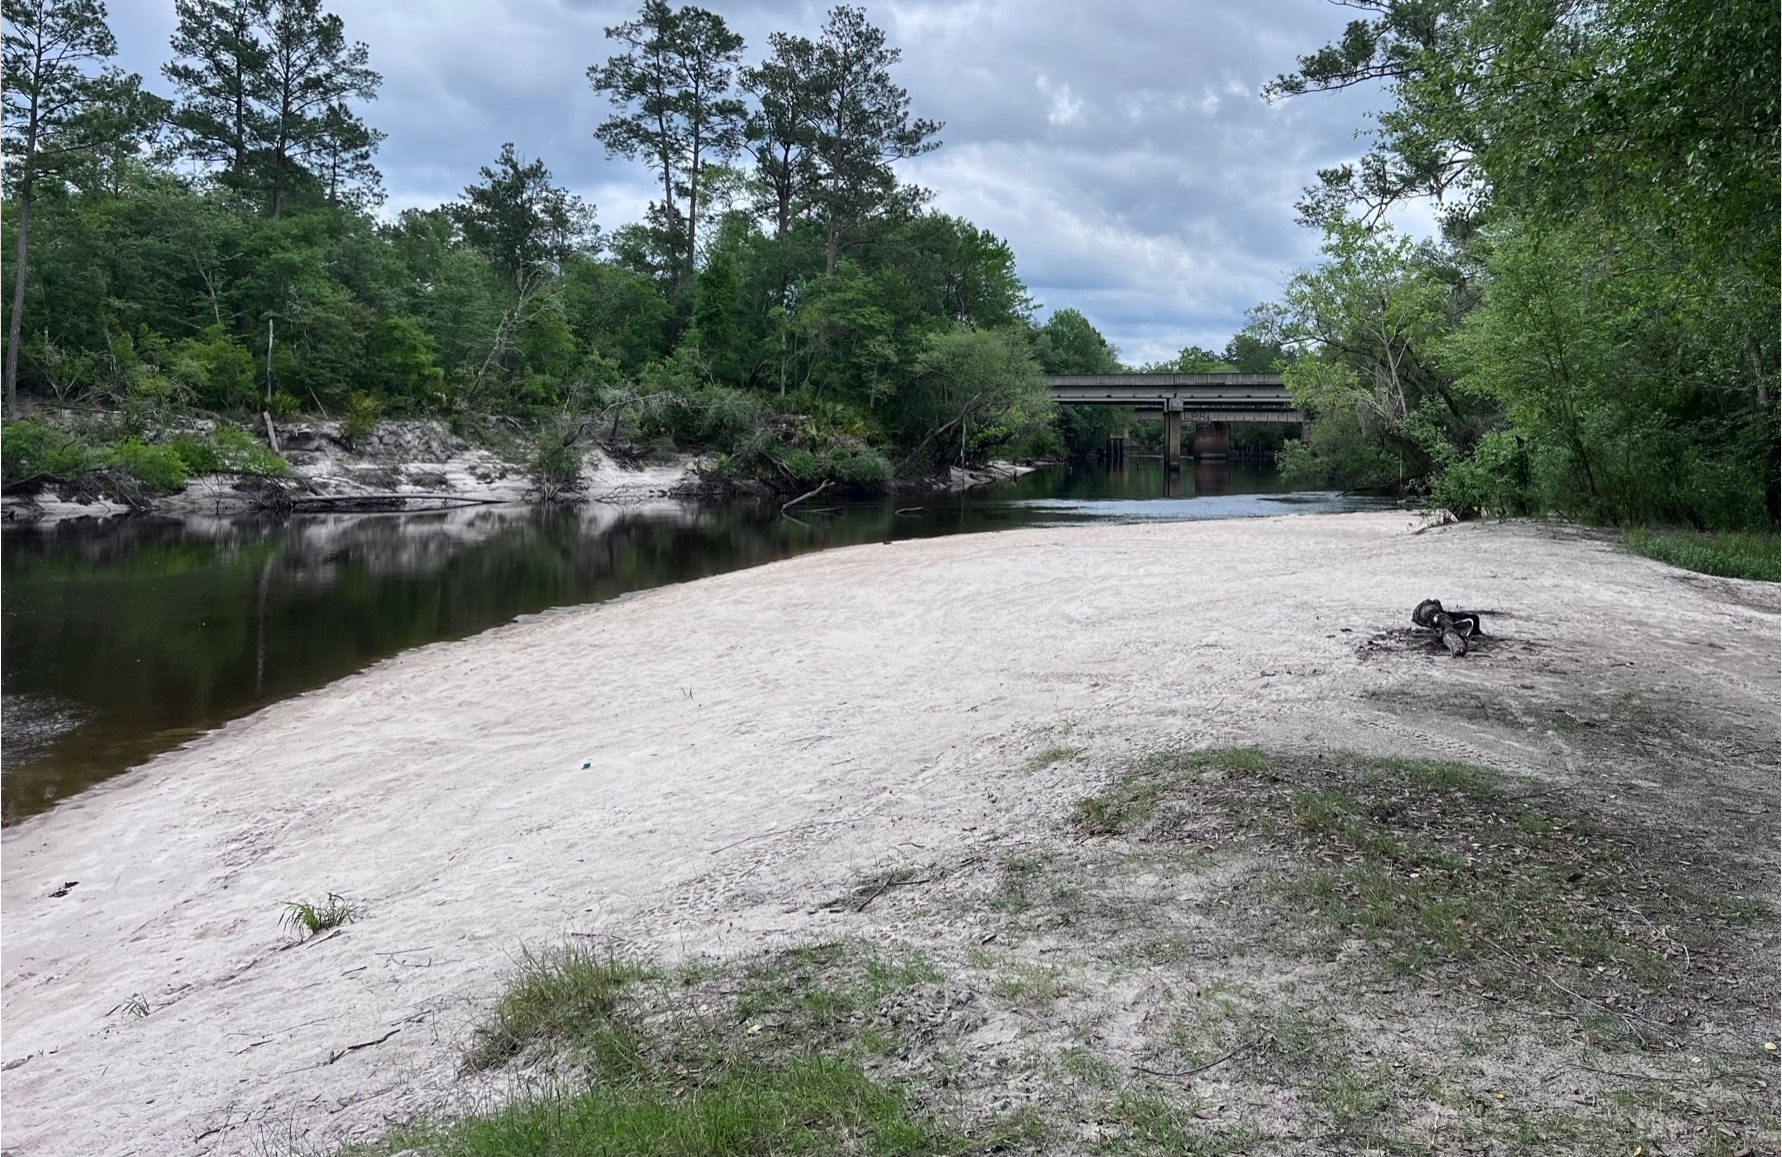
[(863, 125), (311, 70), (219, 59), (672, 88), (782, 132), (264, 89)]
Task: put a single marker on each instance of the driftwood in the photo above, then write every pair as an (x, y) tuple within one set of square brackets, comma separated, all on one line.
[(1454, 627), (805, 496)]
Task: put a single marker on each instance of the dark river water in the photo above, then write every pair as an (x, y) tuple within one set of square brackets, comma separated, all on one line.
[(127, 637)]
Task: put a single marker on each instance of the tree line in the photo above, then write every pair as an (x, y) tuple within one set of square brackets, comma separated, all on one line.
[(1593, 329), (788, 300)]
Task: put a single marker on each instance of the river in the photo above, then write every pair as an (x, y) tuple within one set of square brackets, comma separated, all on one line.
[(127, 637)]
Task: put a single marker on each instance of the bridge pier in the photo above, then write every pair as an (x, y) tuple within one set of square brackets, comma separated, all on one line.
[(1172, 438), (1212, 440)]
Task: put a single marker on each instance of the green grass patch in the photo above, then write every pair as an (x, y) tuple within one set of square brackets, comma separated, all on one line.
[(813, 995), (566, 998), (1033, 984), (803, 1105), (1020, 880), (1732, 554), (1124, 806), (1053, 755), (704, 1060)]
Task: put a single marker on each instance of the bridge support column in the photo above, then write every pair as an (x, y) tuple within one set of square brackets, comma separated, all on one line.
[(1212, 440), (1172, 439)]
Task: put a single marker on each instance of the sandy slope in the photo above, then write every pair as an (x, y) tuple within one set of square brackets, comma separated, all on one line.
[(753, 743)]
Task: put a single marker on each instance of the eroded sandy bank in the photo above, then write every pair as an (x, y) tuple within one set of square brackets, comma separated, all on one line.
[(756, 742)]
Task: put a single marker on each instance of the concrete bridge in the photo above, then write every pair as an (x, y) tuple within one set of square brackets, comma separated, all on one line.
[(1210, 401)]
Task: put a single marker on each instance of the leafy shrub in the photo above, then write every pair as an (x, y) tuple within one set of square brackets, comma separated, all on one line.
[(801, 465), (217, 369), (196, 453), (1493, 480), (362, 412), (555, 462), (405, 363), (1333, 452), (284, 406), (32, 449), (154, 467), (865, 468), (240, 452)]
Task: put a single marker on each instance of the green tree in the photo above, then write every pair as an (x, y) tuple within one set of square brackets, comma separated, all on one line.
[(1265, 344), (55, 97), (974, 390), (1373, 312), (310, 72), (863, 125), (404, 369), (219, 60), (1608, 180), (217, 368), (964, 274), (525, 227), (672, 90), (342, 156), (1069, 344), (781, 133)]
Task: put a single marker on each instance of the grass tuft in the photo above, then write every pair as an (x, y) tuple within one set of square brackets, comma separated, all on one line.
[(567, 997), (304, 918)]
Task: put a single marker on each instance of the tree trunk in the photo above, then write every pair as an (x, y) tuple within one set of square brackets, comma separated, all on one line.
[(693, 209), (14, 324), (278, 183)]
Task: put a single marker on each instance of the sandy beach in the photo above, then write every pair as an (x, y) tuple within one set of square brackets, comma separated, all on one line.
[(692, 770)]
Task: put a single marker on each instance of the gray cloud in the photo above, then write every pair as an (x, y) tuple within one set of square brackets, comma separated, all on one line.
[(1120, 147)]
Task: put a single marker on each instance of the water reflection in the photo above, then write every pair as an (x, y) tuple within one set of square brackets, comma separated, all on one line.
[(125, 638)]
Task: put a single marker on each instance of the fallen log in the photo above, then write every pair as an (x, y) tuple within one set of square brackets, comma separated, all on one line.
[(376, 503), (806, 496)]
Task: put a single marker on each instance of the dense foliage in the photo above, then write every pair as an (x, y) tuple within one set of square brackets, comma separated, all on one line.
[(1594, 331), (787, 302)]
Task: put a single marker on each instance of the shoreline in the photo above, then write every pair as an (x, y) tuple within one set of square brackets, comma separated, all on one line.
[(753, 740), (414, 466)]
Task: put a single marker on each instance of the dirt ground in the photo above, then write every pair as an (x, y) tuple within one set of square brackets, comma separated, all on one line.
[(989, 750)]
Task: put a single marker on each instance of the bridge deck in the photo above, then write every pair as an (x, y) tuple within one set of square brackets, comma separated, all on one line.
[(1198, 397)]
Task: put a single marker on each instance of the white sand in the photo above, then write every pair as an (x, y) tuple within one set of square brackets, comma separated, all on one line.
[(757, 740)]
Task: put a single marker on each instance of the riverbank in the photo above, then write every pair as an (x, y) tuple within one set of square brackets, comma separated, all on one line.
[(404, 466), (700, 769)]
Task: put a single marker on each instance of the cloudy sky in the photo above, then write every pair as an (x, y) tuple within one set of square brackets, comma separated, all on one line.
[(1120, 146)]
